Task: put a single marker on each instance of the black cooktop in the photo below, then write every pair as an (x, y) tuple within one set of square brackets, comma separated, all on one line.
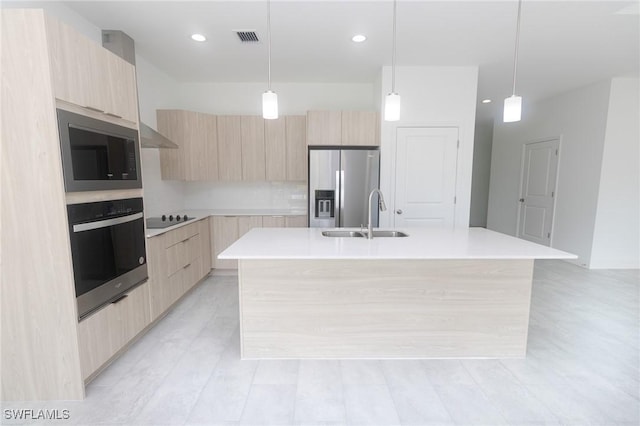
[(166, 221)]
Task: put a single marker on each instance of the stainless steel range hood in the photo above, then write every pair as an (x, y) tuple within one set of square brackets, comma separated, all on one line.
[(122, 45)]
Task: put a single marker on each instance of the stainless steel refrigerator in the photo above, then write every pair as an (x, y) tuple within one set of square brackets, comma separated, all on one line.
[(340, 180)]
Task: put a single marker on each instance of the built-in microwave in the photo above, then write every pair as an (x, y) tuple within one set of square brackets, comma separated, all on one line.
[(98, 155)]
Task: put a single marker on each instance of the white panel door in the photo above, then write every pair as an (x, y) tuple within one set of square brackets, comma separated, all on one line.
[(537, 191), (426, 163)]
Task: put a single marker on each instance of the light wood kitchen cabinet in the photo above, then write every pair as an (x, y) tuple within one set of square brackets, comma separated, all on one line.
[(247, 223), (224, 233), (296, 147), (229, 148), (343, 128), (204, 229), (103, 334), (85, 74), (273, 221), (324, 128), (296, 221), (360, 128), (196, 136), (276, 146), (176, 264), (253, 150)]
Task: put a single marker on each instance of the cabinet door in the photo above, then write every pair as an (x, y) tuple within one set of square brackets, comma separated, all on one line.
[(225, 233), (132, 315), (86, 74), (200, 146), (296, 140), (276, 149), (171, 124), (360, 128), (119, 86), (273, 222), (296, 221), (247, 223), (205, 246), (75, 66), (253, 155), (159, 296), (229, 148), (324, 127)]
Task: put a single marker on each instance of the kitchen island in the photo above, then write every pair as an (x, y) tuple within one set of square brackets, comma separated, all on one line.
[(435, 294)]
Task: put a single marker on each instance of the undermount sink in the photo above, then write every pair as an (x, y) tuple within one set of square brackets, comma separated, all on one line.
[(392, 234), (363, 234), (343, 234)]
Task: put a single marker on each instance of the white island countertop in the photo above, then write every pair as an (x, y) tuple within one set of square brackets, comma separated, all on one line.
[(309, 243)]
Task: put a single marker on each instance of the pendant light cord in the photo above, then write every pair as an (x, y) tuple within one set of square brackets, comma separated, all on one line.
[(393, 52), (515, 55), (269, 41)]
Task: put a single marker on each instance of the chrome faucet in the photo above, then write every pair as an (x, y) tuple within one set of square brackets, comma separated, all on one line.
[(381, 205)]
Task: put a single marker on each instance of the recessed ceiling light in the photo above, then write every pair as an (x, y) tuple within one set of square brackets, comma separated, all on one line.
[(486, 101), (358, 38), (198, 37)]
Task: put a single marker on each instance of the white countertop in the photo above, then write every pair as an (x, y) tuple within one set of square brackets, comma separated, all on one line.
[(308, 243), (201, 214)]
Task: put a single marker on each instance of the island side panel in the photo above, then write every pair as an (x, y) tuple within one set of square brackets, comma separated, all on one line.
[(384, 308)]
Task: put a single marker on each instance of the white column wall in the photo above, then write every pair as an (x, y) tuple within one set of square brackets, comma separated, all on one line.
[(431, 97), (616, 239)]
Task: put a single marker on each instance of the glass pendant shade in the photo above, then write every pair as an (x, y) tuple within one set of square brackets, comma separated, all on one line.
[(269, 105), (512, 109), (392, 107)]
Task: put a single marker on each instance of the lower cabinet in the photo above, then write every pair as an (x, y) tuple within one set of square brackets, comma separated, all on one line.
[(225, 230), (177, 260), (103, 334)]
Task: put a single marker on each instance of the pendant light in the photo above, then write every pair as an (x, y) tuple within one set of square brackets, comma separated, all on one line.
[(392, 100), (269, 98), (513, 104)]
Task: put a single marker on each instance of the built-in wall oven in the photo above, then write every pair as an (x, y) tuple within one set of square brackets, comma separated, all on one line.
[(108, 251)]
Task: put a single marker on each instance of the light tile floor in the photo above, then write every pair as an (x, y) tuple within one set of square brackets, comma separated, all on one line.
[(582, 368)]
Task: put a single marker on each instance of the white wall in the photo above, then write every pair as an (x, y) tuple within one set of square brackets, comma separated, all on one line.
[(616, 238), (293, 98), (156, 90), (579, 118), (431, 97), (246, 195), (482, 140)]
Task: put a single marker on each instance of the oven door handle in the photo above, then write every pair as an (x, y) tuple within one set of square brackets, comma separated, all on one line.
[(107, 222)]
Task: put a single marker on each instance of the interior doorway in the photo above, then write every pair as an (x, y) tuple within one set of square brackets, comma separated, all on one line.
[(538, 190)]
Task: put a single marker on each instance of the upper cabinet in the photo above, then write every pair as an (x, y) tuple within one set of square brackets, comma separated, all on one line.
[(324, 128), (253, 150), (233, 148), (197, 137), (343, 128), (87, 75)]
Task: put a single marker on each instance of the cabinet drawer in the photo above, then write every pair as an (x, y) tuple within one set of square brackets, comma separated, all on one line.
[(182, 253), (107, 331), (192, 274), (180, 234)]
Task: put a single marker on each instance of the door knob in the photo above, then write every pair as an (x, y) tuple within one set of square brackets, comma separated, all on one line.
[(521, 200), (398, 211)]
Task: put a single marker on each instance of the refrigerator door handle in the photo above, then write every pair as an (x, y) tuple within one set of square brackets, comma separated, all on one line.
[(337, 207), (341, 198)]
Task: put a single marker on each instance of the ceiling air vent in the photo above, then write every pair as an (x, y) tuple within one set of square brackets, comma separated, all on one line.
[(247, 36)]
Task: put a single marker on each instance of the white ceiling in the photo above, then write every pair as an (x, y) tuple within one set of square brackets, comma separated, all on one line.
[(563, 45)]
